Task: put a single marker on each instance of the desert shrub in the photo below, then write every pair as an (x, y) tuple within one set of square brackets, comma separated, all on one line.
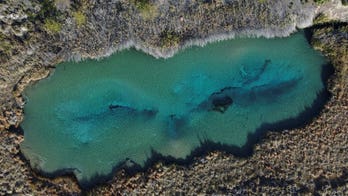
[(320, 1), (5, 44), (321, 18), (147, 9), (47, 10), (48, 16), (52, 26), (170, 39), (62, 5), (80, 18), (141, 4)]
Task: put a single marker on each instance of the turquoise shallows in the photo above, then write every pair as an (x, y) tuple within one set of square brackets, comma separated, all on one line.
[(90, 116)]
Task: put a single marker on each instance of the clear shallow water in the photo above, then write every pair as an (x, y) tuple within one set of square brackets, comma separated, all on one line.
[(92, 115)]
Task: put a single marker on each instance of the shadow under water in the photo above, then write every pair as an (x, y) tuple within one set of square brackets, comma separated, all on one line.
[(206, 146), (224, 96)]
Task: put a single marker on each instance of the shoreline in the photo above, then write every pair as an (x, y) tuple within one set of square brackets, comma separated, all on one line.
[(162, 160), (199, 42), (34, 183), (206, 146), (321, 181), (68, 47)]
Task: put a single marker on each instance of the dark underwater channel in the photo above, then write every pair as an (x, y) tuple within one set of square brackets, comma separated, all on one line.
[(93, 117)]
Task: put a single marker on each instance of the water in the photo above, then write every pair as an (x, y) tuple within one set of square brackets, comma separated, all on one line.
[(92, 115)]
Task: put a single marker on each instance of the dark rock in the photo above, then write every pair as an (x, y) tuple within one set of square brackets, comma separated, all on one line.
[(221, 103)]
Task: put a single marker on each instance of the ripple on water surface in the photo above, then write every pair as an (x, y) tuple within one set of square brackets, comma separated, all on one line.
[(92, 115)]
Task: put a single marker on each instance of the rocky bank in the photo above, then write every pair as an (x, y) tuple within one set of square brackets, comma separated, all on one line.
[(36, 35), (311, 160)]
